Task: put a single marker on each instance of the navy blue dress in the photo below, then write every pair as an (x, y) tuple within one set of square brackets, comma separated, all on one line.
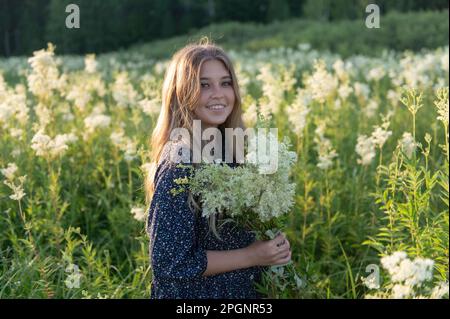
[(179, 239)]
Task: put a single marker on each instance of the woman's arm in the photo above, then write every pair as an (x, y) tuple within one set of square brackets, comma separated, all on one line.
[(220, 261), (260, 253)]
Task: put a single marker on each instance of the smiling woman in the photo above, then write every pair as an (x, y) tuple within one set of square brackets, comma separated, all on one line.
[(187, 259)]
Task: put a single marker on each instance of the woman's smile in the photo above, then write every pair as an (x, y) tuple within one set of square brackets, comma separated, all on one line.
[(216, 107)]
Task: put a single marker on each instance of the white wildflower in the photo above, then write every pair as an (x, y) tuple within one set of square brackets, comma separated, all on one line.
[(403, 270), (393, 97), (396, 78), (90, 63), (325, 159), (392, 262), (298, 111), (13, 105), (410, 278), (366, 150), (80, 95), (323, 147), (339, 69), (250, 114), (45, 146), (118, 138), (337, 104), (440, 291), (16, 152), (9, 171), (18, 192), (130, 151), (444, 62), (380, 136), (44, 115), (321, 84), (362, 90), (160, 67), (45, 76), (371, 108), (408, 144), (94, 121), (16, 132), (150, 106), (400, 291), (288, 79), (413, 273), (123, 92), (376, 74), (442, 105), (40, 143), (304, 46), (138, 213), (58, 145), (344, 91), (326, 153), (68, 117), (273, 93)]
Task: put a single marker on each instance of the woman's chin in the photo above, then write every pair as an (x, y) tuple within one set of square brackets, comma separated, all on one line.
[(216, 119)]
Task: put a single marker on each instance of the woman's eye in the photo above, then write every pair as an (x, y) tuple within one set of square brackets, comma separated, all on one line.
[(204, 85), (228, 83)]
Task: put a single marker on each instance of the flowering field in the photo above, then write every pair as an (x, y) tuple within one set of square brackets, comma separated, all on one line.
[(370, 218)]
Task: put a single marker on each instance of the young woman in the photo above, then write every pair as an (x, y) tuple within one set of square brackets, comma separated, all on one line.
[(188, 260)]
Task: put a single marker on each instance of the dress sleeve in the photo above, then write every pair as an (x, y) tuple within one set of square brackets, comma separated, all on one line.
[(174, 250)]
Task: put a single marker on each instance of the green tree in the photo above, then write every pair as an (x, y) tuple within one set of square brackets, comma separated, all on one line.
[(66, 40), (8, 15), (31, 26), (278, 10), (242, 10), (296, 7)]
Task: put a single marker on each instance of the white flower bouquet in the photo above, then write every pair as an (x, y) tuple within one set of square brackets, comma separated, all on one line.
[(253, 194)]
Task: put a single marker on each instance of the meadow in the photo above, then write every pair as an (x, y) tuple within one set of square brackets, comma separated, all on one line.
[(370, 133)]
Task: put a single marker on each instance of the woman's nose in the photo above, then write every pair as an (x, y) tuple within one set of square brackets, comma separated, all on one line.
[(217, 91)]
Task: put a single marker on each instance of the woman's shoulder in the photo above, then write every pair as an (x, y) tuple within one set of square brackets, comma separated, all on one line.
[(174, 163), (175, 152)]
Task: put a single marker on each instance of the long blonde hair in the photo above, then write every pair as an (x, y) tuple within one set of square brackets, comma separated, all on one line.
[(180, 97)]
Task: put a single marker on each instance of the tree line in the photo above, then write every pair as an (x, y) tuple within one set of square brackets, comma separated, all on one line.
[(105, 25)]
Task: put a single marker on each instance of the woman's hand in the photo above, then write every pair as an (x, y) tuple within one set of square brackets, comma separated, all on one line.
[(270, 252)]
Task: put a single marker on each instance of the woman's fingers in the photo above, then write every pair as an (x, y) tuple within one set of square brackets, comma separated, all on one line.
[(283, 243), (285, 259), (280, 240), (281, 253)]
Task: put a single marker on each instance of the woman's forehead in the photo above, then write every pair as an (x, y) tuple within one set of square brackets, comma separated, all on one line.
[(213, 69)]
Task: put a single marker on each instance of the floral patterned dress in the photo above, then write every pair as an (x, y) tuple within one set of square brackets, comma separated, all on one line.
[(178, 242)]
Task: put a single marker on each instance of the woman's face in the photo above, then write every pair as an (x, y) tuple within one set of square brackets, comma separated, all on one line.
[(216, 96)]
